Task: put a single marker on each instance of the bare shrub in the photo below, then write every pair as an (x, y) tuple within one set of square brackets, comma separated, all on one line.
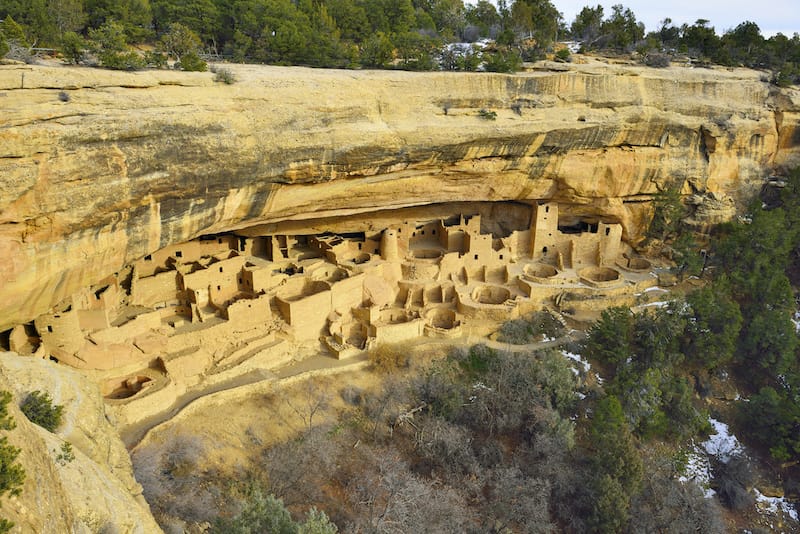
[(657, 60), (387, 497), (307, 401), (174, 481), (734, 481), (296, 471), (182, 455), (388, 358), (517, 503), (224, 75), (445, 448), (352, 395), (666, 504)]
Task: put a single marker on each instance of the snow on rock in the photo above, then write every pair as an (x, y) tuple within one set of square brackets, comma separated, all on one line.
[(773, 504), (656, 288), (722, 444), (656, 304), (698, 470), (578, 359)]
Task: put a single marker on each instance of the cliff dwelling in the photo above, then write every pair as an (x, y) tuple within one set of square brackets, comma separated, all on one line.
[(223, 305)]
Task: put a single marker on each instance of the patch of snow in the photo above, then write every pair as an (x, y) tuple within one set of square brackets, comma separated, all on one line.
[(796, 321), (722, 444), (658, 304), (577, 358), (698, 471), (773, 504), (656, 288)]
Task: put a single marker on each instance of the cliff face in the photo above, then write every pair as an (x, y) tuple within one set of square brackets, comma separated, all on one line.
[(101, 168), (93, 492)]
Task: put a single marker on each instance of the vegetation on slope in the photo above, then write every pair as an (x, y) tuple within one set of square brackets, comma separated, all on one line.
[(480, 440), (408, 34), (12, 475)]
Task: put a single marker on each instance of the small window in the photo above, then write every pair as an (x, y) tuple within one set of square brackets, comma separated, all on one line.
[(547, 209), (49, 328), (544, 250), (359, 246), (178, 254), (476, 256), (399, 230), (413, 234), (148, 258), (240, 279), (608, 231), (434, 232), (423, 232), (501, 256), (219, 240), (220, 269), (219, 288)]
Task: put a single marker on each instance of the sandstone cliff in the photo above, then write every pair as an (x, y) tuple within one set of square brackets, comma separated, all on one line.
[(94, 492), (100, 168)]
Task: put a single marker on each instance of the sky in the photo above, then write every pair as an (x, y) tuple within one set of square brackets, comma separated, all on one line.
[(772, 16)]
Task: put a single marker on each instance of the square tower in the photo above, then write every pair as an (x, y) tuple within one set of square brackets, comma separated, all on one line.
[(544, 230)]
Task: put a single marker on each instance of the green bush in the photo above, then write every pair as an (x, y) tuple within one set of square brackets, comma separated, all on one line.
[(155, 59), (38, 407), (110, 44), (539, 326), (502, 62), (266, 513), (487, 114), (66, 455), (12, 475), (73, 47), (191, 62), (563, 56)]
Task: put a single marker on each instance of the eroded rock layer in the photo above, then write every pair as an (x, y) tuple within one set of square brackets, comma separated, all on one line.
[(99, 169)]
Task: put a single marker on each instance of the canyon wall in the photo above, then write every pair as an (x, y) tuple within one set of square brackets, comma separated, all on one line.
[(100, 168), (94, 490)]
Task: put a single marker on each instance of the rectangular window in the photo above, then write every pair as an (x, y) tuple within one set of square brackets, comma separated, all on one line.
[(178, 254)]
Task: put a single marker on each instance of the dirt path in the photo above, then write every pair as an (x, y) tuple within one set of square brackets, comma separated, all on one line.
[(134, 434)]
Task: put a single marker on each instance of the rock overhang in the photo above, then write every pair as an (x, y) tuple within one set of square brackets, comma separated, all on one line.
[(137, 161)]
